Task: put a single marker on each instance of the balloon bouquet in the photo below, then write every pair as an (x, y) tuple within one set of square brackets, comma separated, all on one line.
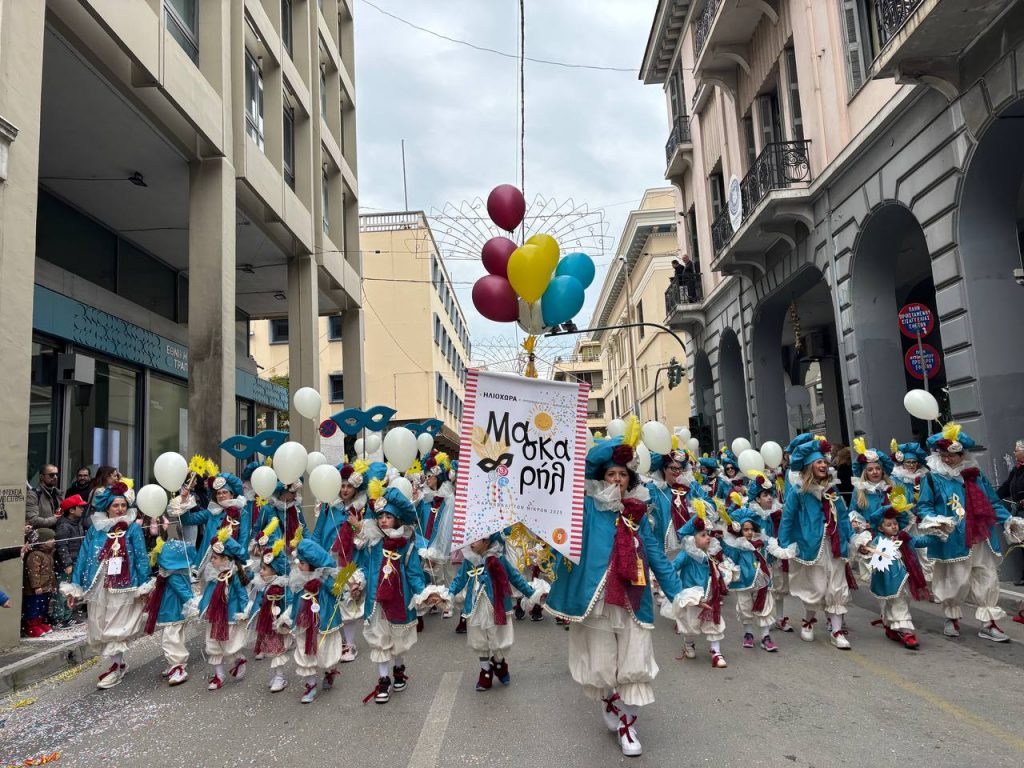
[(528, 284)]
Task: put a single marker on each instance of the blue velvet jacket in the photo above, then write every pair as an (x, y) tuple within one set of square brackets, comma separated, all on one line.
[(408, 565), (888, 583), (741, 552), (331, 518), (87, 570), (661, 508), (803, 523), (477, 578), (212, 520), (177, 592), (238, 598), (577, 588), (329, 615)]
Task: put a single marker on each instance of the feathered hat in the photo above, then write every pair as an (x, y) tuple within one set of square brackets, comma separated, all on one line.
[(308, 551), (898, 508), (223, 544), (727, 458), (709, 464), (274, 557), (746, 514), (865, 456), (797, 441), (104, 497), (290, 488), (225, 480), (248, 469), (392, 501), (659, 461), (438, 465), (759, 483), (613, 452), (907, 452), (350, 475), (808, 452), (175, 555), (952, 439)]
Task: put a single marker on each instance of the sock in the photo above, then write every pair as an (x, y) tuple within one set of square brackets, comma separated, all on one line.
[(399, 661), (349, 633), (629, 711), (311, 680), (748, 629), (485, 663), (218, 670), (778, 603), (835, 621), (765, 631), (117, 658), (715, 646), (810, 615), (383, 669)]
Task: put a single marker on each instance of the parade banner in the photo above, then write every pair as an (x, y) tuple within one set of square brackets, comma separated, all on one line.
[(522, 453)]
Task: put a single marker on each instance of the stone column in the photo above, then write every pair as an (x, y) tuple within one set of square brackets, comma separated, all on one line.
[(21, 69), (211, 307), (303, 344), (353, 330)]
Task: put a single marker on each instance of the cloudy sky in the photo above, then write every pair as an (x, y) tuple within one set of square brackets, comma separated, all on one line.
[(595, 136)]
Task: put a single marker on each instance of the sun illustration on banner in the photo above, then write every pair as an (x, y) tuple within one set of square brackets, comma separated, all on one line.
[(543, 419)]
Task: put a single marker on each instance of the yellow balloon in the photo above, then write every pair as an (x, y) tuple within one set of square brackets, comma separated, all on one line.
[(547, 244), (529, 271)]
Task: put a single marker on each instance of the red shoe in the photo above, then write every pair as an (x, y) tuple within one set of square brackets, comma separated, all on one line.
[(215, 684), (485, 680), (238, 670), (500, 670), (909, 640), (893, 635), (36, 630)]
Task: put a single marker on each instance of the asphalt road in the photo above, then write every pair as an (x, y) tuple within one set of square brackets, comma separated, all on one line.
[(954, 702)]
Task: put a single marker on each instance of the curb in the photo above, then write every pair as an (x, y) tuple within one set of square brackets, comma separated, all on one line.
[(21, 674), (1010, 600)]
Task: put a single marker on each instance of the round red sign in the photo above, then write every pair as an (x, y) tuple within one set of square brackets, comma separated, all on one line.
[(916, 318), (923, 361)]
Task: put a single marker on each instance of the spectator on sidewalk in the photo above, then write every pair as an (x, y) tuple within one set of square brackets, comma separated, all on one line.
[(1012, 489), (48, 498), (70, 532), (82, 484), (105, 477), (843, 465), (40, 584)]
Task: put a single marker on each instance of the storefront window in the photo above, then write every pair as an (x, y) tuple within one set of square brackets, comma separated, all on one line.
[(168, 419), (44, 411), (103, 427)]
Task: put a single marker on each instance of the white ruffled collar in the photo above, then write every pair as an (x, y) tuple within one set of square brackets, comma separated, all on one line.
[(358, 502), (401, 532), (738, 542), (282, 506), (260, 583), (101, 522), (936, 465), (494, 550), (763, 513), (691, 549), (658, 478), (902, 473), (608, 498), (238, 502), (863, 485)]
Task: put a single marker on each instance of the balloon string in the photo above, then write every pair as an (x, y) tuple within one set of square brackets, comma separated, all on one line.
[(522, 111)]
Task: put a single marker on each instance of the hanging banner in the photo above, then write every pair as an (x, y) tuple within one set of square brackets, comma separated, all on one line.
[(522, 453)]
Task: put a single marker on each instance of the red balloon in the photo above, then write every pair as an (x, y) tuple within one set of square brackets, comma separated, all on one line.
[(495, 299), (496, 253), (506, 206)]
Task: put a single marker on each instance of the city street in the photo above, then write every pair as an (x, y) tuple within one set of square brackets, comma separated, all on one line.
[(952, 703)]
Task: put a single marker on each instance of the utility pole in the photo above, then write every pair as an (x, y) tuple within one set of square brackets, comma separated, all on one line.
[(405, 186), (629, 336)]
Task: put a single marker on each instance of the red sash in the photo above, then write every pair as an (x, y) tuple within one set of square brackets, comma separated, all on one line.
[(627, 571), (500, 585), (309, 619), (390, 594)]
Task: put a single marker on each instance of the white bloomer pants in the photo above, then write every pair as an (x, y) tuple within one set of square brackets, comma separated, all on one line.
[(172, 643), (821, 585), (975, 579)]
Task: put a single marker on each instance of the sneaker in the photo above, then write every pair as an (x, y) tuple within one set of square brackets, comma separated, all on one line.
[(258, 657), (994, 633), (178, 675), (839, 640), (893, 635), (807, 630), (500, 670), (909, 640), (348, 653), (611, 712), (401, 680), (460, 628), (768, 644), (718, 661), (951, 628), (448, 613), (238, 670), (537, 613), (309, 694), (518, 610), (111, 677), (329, 676), (215, 684), (167, 672), (382, 693), (627, 736), (689, 651), (748, 640), (278, 683), (784, 625), (484, 680)]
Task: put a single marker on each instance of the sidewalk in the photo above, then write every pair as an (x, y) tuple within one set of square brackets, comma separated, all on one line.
[(35, 659), (1011, 598)]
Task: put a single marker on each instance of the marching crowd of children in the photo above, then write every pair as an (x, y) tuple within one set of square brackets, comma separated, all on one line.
[(676, 541)]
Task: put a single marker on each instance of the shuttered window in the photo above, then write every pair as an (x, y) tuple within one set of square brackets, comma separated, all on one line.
[(853, 35)]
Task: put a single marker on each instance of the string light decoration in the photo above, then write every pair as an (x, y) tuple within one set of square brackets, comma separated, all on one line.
[(794, 321)]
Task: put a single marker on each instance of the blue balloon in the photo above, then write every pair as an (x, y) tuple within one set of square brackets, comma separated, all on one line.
[(562, 300), (577, 265)]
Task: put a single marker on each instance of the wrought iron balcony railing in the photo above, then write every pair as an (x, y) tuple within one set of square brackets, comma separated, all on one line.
[(779, 165), (721, 231), (702, 27), (680, 134), (891, 15), (677, 295)]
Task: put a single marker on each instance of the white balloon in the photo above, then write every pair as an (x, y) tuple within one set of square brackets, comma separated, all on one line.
[(264, 481), (314, 460), (656, 437), (771, 452), (750, 460), (643, 459), (170, 470), (616, 427), (290, 462), (373, 443), (400, 448), (307, 402), (921, 405), (152, 500), (403, 485), (325, 482), (684, 435), (358, 448), (694, 445), (739, 445), (424, 443)]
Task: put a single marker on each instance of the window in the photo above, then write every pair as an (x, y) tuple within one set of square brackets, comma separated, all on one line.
[(334, 328), (640, 316), (289, 147), (860, 33), (748, 133), (279, 331), (336, 383), (167, 425), (691, 230), (796, 119), (438, 387), (105, 429), (770, 122), (717, 185), (325, 201), (323, 92), (286, 25), (182, 24), (253, 100)]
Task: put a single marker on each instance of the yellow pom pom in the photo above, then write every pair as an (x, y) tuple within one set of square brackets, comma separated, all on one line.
[(599, 435), (893, 445), (277, 547), (270, 527), (859, 446), (375, 489), (415, 469), (342, 579), (722, 513), (756, 474), (224, 533), (443, 460), (296, 538), (736, 499), (675, 442), (700, 508), (155, 552), (361, 466), (128, 481), (951, 432), (632, 434), (898, 499)]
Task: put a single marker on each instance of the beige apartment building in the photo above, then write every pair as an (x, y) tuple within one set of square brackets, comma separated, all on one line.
[(835, 162), (416, 347), (585, 365), (169, 171), (633, 359)]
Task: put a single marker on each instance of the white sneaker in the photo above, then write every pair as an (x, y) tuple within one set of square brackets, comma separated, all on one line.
[(310, 694), (348, 653), (447, 613), (278, 683), (628, 739), (690, 650), (258, 657), (839, 641), (994, 633), (238, 670), (951, 628), (111, 677), (178, 675), (807, 632), (611, 713)]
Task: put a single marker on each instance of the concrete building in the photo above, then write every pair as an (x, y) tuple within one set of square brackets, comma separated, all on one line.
[(585, 364), (169, 170), (417, 343), (634, 292), (835, 161)]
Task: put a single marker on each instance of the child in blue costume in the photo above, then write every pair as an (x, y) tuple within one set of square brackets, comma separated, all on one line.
[(732, 480), (909, 467), (438, 507), (763, 501), (673, 489), (488, 578), (393, 586), (228, 508), (965, 566), (286, 506), (225, 608), (815, 518), (871, 483), (315, 617), (171, 604), (710, 473), (607, 596), (112, 575), (271, 620)]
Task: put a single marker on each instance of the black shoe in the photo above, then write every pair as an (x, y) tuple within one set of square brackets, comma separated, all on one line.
[(401, 681), (518, 610), (419, 623), (536, 613), (460, 628), (500, 670), (383, 691)]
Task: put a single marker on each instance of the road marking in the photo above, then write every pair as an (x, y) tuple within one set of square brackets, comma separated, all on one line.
[(961, 714), (428, 746)]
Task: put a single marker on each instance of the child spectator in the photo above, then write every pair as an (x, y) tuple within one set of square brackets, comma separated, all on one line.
[(70, 532), (40, 584)]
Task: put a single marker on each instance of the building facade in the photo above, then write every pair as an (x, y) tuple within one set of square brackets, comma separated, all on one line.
[(417, 344), (169, 170), (634, 360), (585, 365), (835, 162)]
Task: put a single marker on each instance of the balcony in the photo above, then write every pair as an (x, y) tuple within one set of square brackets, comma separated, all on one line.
[(722, 32), (921, 40), (678, 148), (683, 306), (774, 198)]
